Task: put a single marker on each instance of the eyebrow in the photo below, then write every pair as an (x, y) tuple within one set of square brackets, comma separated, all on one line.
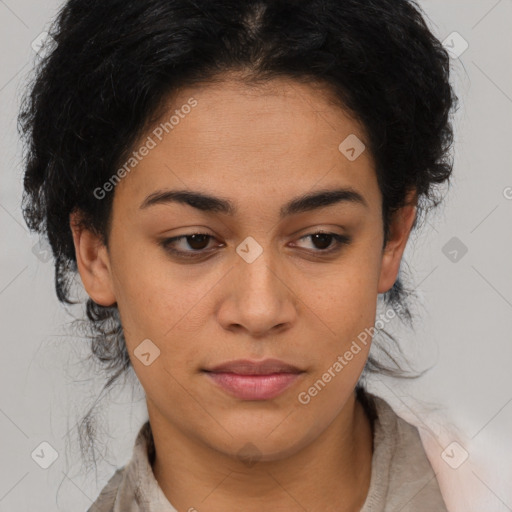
[(300, 204)]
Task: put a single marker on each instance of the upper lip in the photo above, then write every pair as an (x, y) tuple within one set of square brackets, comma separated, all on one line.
[(248, 367)]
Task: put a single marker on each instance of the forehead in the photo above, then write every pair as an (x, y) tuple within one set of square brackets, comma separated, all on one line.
[(278, 139)]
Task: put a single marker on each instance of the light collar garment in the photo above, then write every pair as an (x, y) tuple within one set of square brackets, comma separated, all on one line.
[(402, 478)]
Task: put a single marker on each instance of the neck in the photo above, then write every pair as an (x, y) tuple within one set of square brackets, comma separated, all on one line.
[(330, 474)]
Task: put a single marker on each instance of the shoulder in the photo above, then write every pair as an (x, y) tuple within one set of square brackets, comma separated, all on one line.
[(402, 477), (125, 491), (133, 487), (107, 497)]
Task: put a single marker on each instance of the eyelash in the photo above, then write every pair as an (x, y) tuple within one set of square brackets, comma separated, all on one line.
[(340, 241)]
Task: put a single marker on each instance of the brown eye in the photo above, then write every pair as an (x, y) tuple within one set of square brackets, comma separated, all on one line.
[(323, 239), (197, 241), (325, 243), (195, 245), (192, 245)]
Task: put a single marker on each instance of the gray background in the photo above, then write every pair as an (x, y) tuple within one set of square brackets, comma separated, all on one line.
[(464, 329)]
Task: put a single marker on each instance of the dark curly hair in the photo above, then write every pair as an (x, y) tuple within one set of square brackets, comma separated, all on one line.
[(115, 63)]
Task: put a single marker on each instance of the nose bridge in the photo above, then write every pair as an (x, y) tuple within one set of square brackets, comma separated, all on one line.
[(257, 273), (260, 300)]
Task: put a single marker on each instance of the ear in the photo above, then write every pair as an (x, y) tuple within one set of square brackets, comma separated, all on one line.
[(93, 263), (399, 230)]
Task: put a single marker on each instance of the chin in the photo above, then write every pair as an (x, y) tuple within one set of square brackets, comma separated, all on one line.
[(265, 441)]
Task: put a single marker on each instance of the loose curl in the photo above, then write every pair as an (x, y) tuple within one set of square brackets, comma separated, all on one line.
[(117, 61)]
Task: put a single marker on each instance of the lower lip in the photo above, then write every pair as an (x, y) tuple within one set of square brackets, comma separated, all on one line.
[(254, 387)]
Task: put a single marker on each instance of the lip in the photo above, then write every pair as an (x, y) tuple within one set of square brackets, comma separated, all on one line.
[(249, 367), (254, 380)]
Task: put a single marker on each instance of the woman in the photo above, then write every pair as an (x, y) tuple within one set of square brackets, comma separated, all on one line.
[(235, 183)]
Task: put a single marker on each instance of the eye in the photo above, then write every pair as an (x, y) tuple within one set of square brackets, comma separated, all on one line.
[(198, 242), (327, 242)]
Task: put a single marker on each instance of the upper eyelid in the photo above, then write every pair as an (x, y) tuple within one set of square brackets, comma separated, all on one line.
[(305, 235), (340, 239)]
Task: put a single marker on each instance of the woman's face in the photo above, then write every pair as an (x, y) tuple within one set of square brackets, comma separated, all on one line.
[(258, 284)]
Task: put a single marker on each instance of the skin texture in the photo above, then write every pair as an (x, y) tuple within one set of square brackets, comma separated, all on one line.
[(258, 147)]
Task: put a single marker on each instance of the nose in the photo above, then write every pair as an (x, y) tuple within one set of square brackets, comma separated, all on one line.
[(259, 298)]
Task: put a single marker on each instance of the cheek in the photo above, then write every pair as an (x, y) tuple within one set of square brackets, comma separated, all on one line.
[(346, 301), (169, 305), (348, 308), (154, 291), (161, 300)]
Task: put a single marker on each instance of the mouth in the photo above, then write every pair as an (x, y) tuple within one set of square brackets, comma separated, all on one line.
[(254, 380)]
